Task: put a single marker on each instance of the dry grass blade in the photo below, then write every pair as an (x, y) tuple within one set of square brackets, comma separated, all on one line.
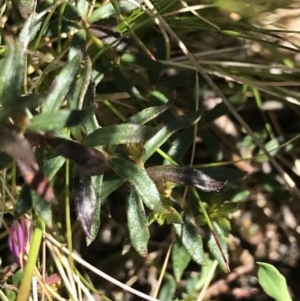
[(288, 180), (56, 246)]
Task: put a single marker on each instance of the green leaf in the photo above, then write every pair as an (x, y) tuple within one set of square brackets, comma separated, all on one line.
[(52, 165), (10, 295), (107, 10), (139, 178), (28, 31), (77, 95), (236, 194), (191, 239), (42, 208), (97, 182), (17, 277), (11, 72), (120, 134), (82, 7), (185, 176), (274, 147), (273, 282), (205, 272), (150, 113), (90, 124), (174, 216), (78, 42), (63, 118), (168, 130), (214, 248), (180, 145), (110, 185), (168, 289), (137, 223), (180, 259), (61, 85)]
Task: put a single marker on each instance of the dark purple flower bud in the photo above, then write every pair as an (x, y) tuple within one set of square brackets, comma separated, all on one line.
[(19, 238)]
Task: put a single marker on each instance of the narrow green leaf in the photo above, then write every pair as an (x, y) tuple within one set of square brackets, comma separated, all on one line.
[(168, 130), (17, 277), (138, 177), (273, 282), (274, 147), (120, 134), (11, 72), (137, 223), (174, 216), (214, 248), (90, 124), (205, 272), (61, 85), (180, 259), (10, 295), (78, 41), (77, 95), (168, 289), (82, 7), (110, 185), (28, 32), (107, 10), (63, 118), (151, 113), (191, 239), (42, 208), (180, 145), (97, 182), (52, 165)]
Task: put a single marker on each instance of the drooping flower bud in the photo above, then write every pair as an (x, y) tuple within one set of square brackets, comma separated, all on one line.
[(19, 238)]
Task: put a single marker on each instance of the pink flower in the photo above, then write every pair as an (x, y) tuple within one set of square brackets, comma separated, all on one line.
[(18, 240)]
